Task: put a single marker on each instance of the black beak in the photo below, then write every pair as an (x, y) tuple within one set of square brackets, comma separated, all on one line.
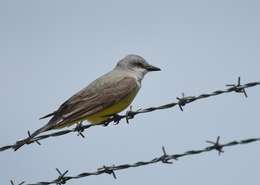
[(152, 68)]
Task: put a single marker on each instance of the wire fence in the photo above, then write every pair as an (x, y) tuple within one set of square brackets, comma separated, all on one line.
[(165, 158), (181, 102)]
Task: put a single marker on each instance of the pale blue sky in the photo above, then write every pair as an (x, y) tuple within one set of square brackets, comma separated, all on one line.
[(51, 49)]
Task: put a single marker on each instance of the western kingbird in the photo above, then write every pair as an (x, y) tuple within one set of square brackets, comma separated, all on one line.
[(104, 97)]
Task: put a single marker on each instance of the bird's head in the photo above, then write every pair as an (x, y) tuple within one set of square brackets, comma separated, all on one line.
[(136, 64)]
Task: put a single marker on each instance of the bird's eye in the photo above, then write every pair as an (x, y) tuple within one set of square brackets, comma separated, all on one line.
[(139, 64)]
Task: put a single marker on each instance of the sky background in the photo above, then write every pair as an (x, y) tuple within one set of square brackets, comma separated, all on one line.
[(51, 49)]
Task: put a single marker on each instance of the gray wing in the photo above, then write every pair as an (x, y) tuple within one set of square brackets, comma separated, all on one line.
[(99, 95)]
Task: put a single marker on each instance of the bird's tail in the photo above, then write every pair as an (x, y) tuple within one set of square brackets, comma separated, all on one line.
[(40, 130), (50, 125), (47, 127), (28, 140)]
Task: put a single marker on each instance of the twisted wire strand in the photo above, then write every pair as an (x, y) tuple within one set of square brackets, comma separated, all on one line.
[(165, 158), (182, 101)]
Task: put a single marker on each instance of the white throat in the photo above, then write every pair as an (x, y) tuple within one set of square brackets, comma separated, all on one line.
[(138, 74)]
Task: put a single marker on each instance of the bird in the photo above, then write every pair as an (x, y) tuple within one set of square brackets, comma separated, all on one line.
[(104, 97)]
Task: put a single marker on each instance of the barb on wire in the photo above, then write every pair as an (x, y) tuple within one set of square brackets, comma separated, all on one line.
[(184, 100), (61, 179), (217, 145), (165, 158), (12, 183)]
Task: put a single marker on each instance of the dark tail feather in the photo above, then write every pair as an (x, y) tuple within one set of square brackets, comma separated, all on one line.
[(48, 115), (40, 130), (28, 140), (50, 125)]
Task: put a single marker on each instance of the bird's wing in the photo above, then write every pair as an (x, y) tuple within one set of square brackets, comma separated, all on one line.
[(92, 99)]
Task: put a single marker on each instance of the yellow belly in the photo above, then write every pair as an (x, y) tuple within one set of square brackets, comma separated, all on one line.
[(99, 117)]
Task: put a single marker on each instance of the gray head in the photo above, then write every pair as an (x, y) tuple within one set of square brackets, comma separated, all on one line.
[(137, 64)]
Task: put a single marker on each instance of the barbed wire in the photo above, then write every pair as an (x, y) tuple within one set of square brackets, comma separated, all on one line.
[(12, 182), (182, 101), (165, 158)]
